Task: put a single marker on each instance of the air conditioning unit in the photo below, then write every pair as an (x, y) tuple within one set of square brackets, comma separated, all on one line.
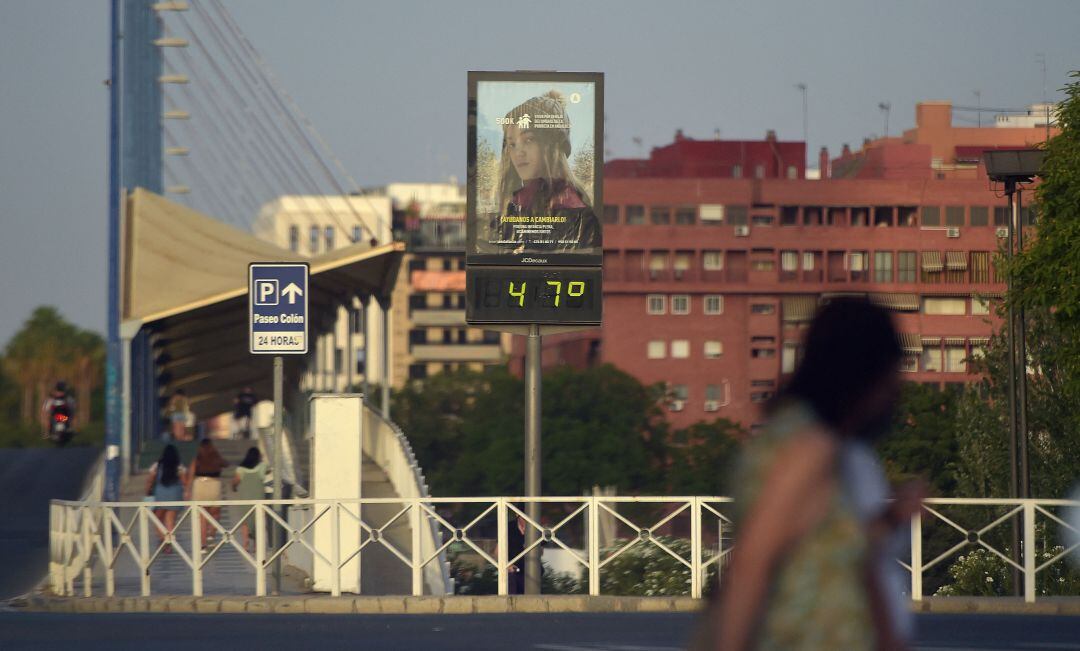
[(654, 274), (679, 274), (952, 232), (677, 405), (1002, 232), (712, 405), (742, 231)]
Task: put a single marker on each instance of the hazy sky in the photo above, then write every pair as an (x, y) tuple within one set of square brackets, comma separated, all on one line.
[(384, 83)]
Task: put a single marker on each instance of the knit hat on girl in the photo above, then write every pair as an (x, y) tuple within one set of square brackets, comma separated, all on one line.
[(546, 116)]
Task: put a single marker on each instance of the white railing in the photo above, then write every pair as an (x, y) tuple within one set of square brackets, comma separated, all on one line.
[(100, 546)]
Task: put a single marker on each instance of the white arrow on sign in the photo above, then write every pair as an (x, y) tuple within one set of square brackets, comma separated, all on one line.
[(292, 291)]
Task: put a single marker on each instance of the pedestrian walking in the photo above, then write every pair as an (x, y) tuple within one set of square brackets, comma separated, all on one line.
[(166, 482), (178, 409), (799, 576), (204, 481), (248, 483), (243, 404)]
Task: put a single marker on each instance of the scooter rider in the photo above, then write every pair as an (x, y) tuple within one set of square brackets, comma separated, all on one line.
[(58, 409)]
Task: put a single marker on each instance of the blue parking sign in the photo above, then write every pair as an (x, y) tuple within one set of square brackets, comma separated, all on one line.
[(278, 308)]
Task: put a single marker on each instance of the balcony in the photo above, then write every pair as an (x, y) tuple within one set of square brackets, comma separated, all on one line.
[(456, 352), (436, 317)]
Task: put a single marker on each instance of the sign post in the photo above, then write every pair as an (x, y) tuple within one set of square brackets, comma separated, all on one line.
[(533, 237), (278, 325)]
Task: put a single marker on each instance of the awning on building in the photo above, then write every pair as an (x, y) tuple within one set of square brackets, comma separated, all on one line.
[(910, 342), (955, 260), (798, 308), (185, 276), (979, 341), (931, 341), (898, 302), (931, 261), (953, 341)]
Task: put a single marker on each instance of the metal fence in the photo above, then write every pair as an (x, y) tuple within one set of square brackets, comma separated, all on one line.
[(120, 547)]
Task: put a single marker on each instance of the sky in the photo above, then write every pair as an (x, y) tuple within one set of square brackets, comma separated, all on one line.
[(384, 84)]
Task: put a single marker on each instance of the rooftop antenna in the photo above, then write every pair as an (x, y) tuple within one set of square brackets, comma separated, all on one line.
[(978, 106), (805, 124), (1040, 58), (885, 107)]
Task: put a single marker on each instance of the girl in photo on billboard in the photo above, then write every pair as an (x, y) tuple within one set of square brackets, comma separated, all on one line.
[(536, 179)]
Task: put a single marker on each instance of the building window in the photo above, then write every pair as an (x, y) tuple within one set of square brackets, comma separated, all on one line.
[(711, 214), (955, 358), (657, 263), (447, 264), (789, 215), (980, 306), (635, 215), (883, 215), (680, 349), (680, 304), (980, 266), (294, 239), (681, 264), (905, 264), (762, 220), (313, 239), (680, 393), (611, 214), (857, 261), (717, 395), (979, 216), (491, 337), (1001, 216), (339, 360), (417, 371), (907, 216), (792, 172), (808, 261), (954, 215), (736, 171), (686, 216), (931, 216), (328, 235), (762, 353), (760, 396), (941, 305), (762, 264), (759, 171), (931, 359), (736, 215), (448, 336), (788, 260), (932, 267), (357, 233), (712, 260), (909, 363), (883, 267), (418, 336), (714, 304), (787, 357), (713, 349), (356, 322), (656, 350), (656, 304), (762, 308), (660, 215), (447, 301)]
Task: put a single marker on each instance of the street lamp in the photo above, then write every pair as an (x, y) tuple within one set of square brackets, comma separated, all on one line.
[(1013, 167)]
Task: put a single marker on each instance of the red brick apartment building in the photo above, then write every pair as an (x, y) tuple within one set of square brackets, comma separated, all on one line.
[(711, 276)]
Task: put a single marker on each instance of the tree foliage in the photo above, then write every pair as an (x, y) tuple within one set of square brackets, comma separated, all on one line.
[(48, 349), (601, 427)]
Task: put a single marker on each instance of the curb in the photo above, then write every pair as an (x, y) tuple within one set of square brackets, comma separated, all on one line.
[(488, 604), (322, 604)]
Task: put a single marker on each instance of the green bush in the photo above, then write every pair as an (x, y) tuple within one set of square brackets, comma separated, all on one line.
[(648, 571), (985, 574)]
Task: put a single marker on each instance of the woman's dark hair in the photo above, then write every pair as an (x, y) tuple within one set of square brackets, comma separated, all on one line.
[(169, 466), (252, 458), (208, 459), (851, 347)]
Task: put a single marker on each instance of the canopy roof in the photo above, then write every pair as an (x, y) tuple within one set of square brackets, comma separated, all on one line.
[(185, 276)]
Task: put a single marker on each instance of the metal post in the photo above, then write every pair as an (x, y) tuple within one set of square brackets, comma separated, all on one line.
[(350, 349), (365, 388), (594, 545), (916, 557), (385, 398), (113, 406), (695, 548), (1029, 551), (279, 382), (532, 455), (1021, 363), (1014, 471)]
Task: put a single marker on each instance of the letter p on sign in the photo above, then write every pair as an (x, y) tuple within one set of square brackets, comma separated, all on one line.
[(266, 292)]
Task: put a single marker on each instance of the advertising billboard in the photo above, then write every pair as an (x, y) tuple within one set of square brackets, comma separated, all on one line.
[(535, 177)]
